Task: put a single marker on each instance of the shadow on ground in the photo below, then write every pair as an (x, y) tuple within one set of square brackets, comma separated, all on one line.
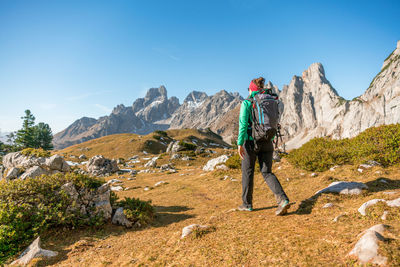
[(82, 239), (378, 185)]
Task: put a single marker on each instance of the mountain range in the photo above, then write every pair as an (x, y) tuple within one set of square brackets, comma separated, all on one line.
[(310, 107)]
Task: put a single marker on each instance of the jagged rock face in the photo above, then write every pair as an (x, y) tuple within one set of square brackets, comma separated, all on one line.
[(202, 111), (312, 107)]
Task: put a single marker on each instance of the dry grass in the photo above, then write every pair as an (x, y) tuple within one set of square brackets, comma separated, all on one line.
[(307, 236), (127, 145)]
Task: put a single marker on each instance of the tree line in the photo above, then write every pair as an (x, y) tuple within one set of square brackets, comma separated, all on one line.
[(29, 136)]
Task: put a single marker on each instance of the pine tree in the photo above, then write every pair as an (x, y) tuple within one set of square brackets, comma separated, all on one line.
[(25, 136), (43, 136)]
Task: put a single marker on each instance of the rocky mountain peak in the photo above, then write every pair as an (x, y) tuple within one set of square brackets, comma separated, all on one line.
[(315, 72), (154, 94), (118, 109), (196, 97)]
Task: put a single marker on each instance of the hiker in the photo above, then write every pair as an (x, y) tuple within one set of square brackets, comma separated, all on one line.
[(249, 149)]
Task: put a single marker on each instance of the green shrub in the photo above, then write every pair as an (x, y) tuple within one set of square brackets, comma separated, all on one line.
[(381, 144), (234, 162), (30, 207), (188, 146), (161, 133), (36, 152), (137, 210)]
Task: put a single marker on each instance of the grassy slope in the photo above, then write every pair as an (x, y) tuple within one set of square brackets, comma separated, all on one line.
[(307, 237), (127, 145)]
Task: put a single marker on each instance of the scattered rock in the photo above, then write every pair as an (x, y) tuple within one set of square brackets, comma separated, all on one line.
[(146, 188), (336, 219), (333, 168), (82, 157), (114, 181), (314, 174), (159, 183), (328, 205), (189, 229), (360, 170), (394, 203), (120, 218), (166, 167), (33, 251), (346, 188), (151, 163), (99, 165), (383, 181), (174, 147), (366, 249), (214, 162), (134, 157), (187, 158), (384, 215), (175, 156)]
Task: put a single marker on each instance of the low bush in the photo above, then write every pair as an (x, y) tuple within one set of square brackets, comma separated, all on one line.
[(29, 207), (381, 144), (36, 152), (161, 133), (137, 210), (234, 162), (188, 146)]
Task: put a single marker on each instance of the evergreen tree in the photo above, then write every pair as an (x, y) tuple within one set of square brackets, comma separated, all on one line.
[(43, 136), (25, 136)]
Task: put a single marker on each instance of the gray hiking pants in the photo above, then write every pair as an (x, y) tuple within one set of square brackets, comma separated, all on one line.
[(264, 156)]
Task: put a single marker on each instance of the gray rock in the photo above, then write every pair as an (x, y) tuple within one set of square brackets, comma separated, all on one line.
[(187, 158), (336, 219), (33, 251), (99, 165), (159, 183), (151, 163), (33, 172), (57, 162), (222, 167), (117, 188), (328, 205), (166, 167), (366, 249), (176, 147), (314, 174), (120, 218), (346, 188), (175, 156), (214, 162), (12, 173)]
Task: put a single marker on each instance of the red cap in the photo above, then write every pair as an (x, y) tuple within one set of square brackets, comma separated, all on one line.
[(253, 87)]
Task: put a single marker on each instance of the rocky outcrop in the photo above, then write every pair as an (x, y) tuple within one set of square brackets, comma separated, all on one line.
[(99, 166), (211, 164), (312, 107), (20, 166)]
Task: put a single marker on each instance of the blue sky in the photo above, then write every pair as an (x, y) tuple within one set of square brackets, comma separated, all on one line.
[(68, 59)]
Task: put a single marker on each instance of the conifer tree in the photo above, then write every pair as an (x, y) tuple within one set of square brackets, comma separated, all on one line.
[(25, 136)]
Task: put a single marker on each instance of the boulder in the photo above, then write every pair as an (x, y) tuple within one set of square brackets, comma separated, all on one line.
[(366, 249), (345, 188), (222, 167), (33, 172), (99, 165), (120, 218), (174, 147), (57, 162), (214, 162), (33, 251), (117, 188)]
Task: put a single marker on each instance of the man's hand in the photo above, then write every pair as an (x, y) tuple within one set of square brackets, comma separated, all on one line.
[(241, 151)]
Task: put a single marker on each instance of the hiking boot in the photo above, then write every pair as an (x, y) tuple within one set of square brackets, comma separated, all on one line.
[(244, 208), (283, 206)]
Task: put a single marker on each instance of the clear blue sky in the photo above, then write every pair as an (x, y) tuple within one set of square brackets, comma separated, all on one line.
[(68, 59)]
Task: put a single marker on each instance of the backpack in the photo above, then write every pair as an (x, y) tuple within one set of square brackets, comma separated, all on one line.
[(265, 115)]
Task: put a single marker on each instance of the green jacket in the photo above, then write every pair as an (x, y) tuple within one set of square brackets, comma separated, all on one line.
[(244, 117)]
